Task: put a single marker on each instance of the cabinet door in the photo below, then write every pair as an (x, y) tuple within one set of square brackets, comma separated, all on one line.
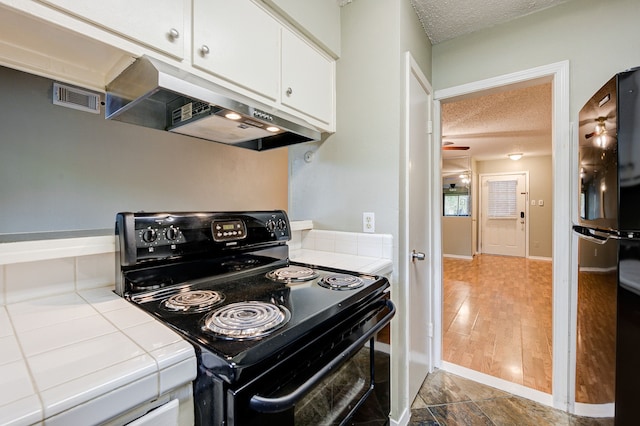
[(307, 78), (156, 23), (238, 41)]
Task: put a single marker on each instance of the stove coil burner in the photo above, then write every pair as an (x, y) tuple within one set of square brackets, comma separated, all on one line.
[(193, 301), (292, 273), (246, 320), (341, 282)]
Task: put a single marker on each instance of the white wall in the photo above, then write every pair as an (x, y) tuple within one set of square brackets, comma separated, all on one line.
[(63, 169)]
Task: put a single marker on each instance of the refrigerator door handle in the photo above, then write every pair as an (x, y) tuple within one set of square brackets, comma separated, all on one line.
[(598, 236)]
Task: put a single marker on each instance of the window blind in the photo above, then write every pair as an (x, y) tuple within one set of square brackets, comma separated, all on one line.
[(502, 199)]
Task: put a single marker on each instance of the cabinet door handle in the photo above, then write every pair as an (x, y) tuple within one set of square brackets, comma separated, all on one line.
[(204, 50), (174, 34), (289, 91)]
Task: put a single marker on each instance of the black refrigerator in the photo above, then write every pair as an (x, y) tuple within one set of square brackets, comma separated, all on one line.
[(609, 202)]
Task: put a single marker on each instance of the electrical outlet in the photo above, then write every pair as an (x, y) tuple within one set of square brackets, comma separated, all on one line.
[(368, 222)]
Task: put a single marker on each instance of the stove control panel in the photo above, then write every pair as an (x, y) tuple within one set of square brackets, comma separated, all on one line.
[(228, 230), (154, 236)]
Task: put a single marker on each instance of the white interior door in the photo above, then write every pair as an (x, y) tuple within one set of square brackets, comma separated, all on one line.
[(503, 214), (419, 234)]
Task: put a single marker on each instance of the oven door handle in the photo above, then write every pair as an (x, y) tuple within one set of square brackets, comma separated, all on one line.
[(275, 405)]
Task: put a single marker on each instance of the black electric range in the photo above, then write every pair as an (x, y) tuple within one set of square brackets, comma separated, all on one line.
[(271, 336)]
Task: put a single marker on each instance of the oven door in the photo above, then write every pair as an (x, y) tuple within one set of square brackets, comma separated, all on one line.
[(331, 381)]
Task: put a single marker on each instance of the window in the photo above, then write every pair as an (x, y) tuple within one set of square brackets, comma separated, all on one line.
[(502, 199), (456, 204)]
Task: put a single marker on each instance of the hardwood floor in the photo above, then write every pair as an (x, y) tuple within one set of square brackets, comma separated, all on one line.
[(497, 313), (497, 318)]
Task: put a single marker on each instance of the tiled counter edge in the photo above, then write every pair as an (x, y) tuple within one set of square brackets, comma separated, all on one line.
[(50, 291), (354, 251)]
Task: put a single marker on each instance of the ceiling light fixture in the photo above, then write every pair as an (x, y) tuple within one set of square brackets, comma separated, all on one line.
[(515, 156)]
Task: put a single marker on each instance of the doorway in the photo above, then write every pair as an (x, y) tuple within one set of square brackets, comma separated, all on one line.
[(504, 218), (562, 198)]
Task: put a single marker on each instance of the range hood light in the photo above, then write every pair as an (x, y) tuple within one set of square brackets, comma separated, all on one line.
[(233, 116), (273, 129)]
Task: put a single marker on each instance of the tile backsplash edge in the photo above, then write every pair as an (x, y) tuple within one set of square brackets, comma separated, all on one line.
[(30, 251), (35, 269)]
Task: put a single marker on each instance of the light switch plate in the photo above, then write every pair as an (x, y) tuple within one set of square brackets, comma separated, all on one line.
[(540, 202)]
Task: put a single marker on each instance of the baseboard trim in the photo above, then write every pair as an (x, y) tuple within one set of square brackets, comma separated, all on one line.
[(403, 420), (594, 410), (598, 270), (546, 259), (457, 256), (501, 384)]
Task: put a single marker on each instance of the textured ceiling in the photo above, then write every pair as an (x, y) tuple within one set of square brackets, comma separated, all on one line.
[(446, 19), (491, 125), (494, 125)]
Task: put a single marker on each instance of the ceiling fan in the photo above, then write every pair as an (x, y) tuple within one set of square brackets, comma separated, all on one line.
[(449, 146)]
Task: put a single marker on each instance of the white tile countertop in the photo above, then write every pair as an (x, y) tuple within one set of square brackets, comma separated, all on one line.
[(352, 251), (74, 353), (67, 358), (349, 262)]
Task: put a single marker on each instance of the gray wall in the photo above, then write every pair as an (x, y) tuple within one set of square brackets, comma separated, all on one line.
[(599, 38), (457, 234), (63, 169), (357, 169)]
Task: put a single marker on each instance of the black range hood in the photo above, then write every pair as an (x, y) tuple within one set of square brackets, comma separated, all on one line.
[(155, 94)]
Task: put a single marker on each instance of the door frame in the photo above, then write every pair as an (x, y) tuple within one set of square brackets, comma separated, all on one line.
[(558, 74), (526, 207)]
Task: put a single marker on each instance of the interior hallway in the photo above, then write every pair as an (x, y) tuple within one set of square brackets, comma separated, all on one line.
[(497, 320)]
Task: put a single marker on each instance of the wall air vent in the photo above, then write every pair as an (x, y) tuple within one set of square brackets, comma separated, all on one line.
[(73, 97)]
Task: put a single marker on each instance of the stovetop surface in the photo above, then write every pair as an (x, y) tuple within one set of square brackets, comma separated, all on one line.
[(310, 305)]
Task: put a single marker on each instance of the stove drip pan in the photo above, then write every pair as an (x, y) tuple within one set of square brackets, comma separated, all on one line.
[(193, 301), (246, 320), (291, 274), (341, 282)]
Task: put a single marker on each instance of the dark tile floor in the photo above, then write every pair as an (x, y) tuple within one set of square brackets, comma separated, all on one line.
[(449, 400)]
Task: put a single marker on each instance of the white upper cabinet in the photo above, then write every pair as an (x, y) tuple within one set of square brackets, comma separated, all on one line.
[(239, 42), (155, 23), (246, 45), (242, 43), (307, 78), (317, 19)]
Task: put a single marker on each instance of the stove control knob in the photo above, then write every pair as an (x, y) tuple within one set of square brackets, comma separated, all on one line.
[(282, 225), (172, 233), (271, 225), (149, 235)]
